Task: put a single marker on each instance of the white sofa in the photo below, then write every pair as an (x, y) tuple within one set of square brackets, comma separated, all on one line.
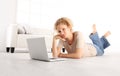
[(17, 35)]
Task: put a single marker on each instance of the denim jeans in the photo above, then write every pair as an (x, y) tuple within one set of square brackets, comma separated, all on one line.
[(99, 43)]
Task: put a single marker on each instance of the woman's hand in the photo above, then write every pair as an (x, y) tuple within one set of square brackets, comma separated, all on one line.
[(58, 37)]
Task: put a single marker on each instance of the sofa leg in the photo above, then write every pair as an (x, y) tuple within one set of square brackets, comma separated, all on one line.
[(12, 49), (7, 49), (63, 49)]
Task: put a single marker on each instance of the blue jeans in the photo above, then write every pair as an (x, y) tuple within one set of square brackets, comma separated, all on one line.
[(99, 43)]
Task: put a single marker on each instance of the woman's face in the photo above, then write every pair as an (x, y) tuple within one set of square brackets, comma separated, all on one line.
[(63, 30)]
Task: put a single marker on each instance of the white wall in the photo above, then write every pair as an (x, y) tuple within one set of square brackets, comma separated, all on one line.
[(43, 13), (104, 13), (7, 16)]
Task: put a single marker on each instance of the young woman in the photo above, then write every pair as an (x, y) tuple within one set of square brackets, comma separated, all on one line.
[(74, 43)]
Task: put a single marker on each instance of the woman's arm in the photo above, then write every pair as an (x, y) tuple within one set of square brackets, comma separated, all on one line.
[(56, 50), (76, 55)]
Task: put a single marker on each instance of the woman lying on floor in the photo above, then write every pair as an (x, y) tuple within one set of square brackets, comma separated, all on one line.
[(74, 43)]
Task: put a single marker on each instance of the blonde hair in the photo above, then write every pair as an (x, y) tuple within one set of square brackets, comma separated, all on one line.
[(65, 21)]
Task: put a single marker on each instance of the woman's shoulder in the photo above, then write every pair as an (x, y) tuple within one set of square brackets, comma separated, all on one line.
[(77, 33)]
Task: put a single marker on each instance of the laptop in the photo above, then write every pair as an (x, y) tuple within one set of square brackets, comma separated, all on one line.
[(38, 50)]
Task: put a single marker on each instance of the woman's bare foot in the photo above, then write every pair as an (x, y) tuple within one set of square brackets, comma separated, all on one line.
[(94, 28), (107, 34)]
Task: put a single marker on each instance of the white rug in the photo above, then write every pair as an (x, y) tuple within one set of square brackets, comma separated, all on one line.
[(20, 64)]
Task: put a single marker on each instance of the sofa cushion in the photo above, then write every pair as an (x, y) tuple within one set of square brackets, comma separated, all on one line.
[(27, 29), (21, 30)]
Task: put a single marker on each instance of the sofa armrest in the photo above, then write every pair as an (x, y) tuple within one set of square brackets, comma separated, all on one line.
[(11, 37)]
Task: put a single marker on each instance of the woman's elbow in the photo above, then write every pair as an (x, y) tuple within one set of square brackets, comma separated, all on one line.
[(78, 53), (79, 56)]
